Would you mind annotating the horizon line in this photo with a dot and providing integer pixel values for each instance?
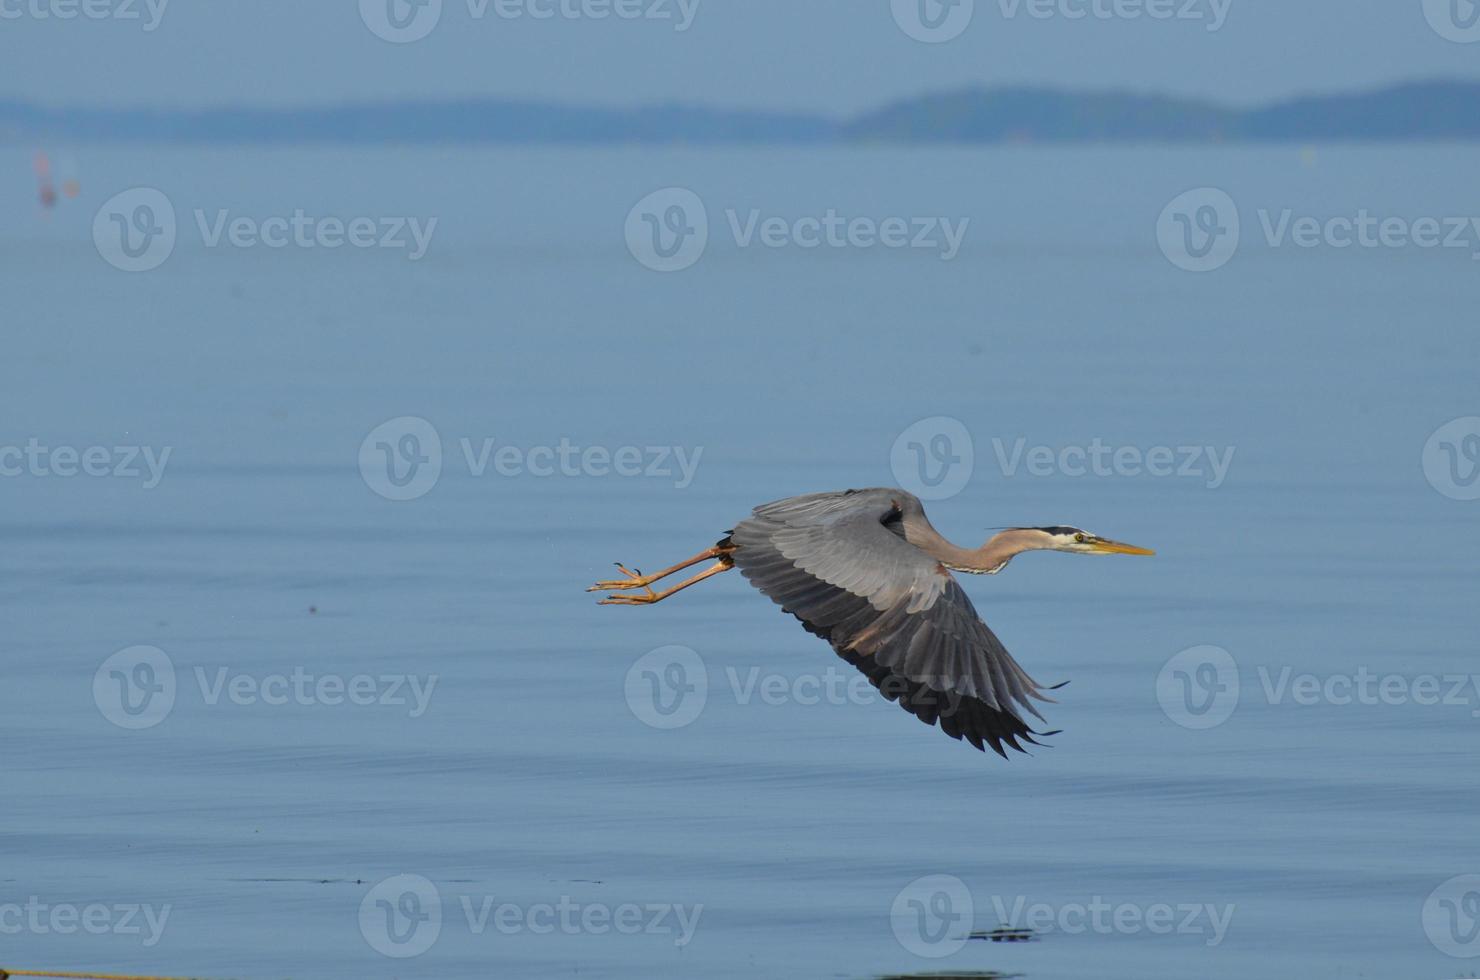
(714, 107)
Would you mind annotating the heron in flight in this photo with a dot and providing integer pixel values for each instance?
(864, 570)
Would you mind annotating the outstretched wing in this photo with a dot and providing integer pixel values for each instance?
(839, 562)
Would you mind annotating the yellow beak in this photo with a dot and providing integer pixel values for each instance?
(1104, 546)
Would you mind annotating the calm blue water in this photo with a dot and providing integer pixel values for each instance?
(790, 829)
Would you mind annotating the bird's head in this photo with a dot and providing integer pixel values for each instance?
(1003, 546)
(1079, 542)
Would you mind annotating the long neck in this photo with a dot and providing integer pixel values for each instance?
(1000, 549)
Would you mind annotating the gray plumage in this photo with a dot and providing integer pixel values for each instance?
(864, 570)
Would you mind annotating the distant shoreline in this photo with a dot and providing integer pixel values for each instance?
(1427, 112)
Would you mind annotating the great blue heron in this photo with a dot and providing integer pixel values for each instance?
(864, 570)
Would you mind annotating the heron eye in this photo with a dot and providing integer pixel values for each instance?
(1079, 539)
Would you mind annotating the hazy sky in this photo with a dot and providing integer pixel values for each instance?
(831, 55)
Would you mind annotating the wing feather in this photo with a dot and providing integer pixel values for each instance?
(840, 563)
